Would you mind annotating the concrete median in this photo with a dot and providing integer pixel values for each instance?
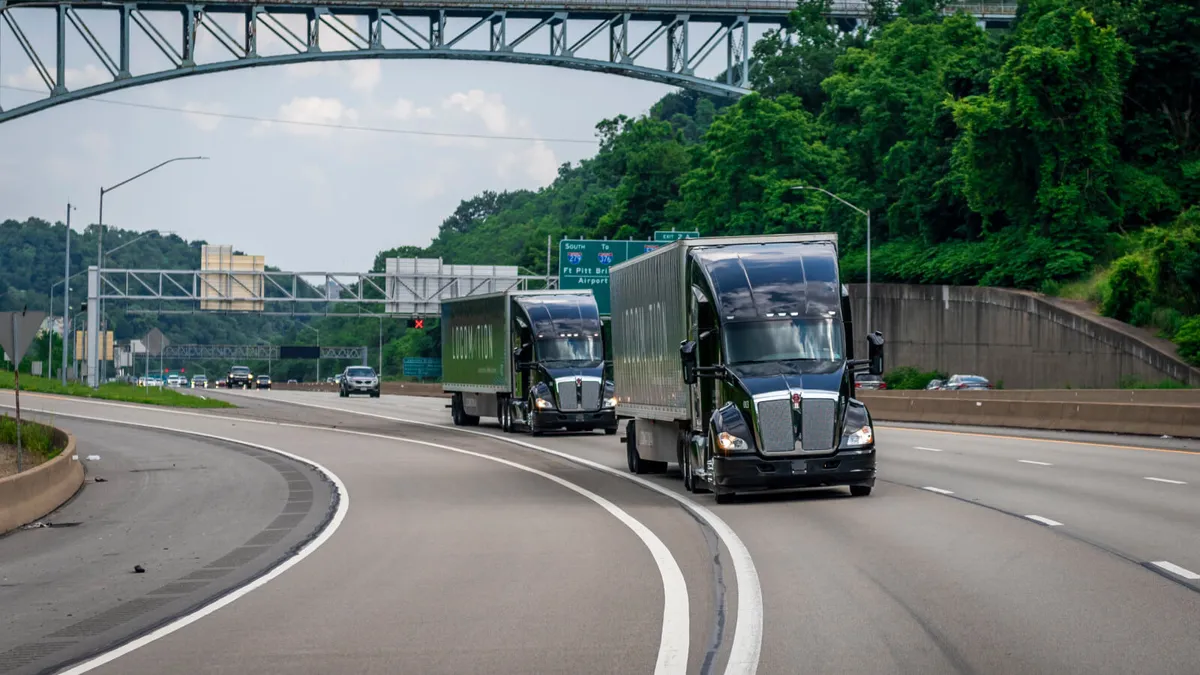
(29, 495)
(391, 388)
(1162, 396)
(1126, 418)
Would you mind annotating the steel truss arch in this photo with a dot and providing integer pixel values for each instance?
(669, 51)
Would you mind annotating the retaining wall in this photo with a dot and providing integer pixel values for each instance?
(29, 495)
(1023, 339)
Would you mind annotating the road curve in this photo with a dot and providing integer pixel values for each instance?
(957, 580)
(199, 516)
(452, 562)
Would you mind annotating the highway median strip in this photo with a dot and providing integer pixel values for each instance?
(113, 391)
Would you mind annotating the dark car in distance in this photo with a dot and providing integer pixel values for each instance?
(961, 382)
(239, 376)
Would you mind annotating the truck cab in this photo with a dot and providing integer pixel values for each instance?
(764, 367)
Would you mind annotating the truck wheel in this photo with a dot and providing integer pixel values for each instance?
(631, 454)
(456, 410)
(860, 490)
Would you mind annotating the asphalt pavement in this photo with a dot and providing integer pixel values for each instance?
(977, 553)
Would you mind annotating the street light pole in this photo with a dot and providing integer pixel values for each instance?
(66, 295)
(865, 212)
(94, 340)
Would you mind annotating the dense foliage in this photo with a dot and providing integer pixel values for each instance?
(1030, 157)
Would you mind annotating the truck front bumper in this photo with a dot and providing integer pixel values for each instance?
(581, 420)
(753, 473)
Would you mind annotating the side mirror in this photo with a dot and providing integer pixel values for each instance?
(687, 354)
(875, 353)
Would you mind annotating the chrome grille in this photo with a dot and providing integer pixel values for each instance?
(568, 395)
(817, 417)
(591, 395)
(775, 426)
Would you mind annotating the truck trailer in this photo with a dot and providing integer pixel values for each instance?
(534, 360)
(733, 358)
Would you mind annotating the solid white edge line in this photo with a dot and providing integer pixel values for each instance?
(1165, 480)
(940, 491)
(1044, 521)
(183, 621)
(746, 647)
(921, 447)
(1030, 461)
(1176, 569)
(674, 641)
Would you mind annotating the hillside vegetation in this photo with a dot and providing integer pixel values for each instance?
(1031, 158)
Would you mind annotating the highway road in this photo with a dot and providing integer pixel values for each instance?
(975, 554)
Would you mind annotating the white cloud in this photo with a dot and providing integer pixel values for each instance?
(307, 110)
(488, 107)
(204, 122)
(537, 161)
(74, 78)
(405, 109)
(364, 75)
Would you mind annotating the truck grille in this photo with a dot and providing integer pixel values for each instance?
(817, 422)
(583, 397)
(591, 395)
(775, 426)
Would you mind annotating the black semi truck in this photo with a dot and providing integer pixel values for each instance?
(733, 357)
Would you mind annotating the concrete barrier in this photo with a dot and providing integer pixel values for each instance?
(1163, 396)
(29, 495)
(391, 388)
(1125, 418)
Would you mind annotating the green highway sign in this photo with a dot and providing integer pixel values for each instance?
(584, 263)
(672, 235)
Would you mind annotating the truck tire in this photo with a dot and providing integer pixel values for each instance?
(634, 459)
(456, 413)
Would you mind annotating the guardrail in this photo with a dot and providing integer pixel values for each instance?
(1166, 396)
(990, 410)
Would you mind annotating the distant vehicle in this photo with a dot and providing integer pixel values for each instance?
(869, 381)
(262, 382)
(239, 376)
(174, 380)
(141, 381)
(291, 382)
(151, 381)
(358, 380)
(199, 382)
(961, 382)
(934, 385)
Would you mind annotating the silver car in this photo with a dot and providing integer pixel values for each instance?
(359, 380)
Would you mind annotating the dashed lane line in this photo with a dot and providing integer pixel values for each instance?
(1043, 520)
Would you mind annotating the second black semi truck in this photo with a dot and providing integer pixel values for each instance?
(534, 360)
(734, 358)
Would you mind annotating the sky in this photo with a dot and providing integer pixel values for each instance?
(308, 198)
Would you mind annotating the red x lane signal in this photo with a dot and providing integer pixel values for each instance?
(416, 323)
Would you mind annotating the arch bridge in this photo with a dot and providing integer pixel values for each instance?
(137, 42)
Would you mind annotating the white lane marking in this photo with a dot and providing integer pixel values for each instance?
(674, 640)
(181, 622)
(1030, 461)
(1044, 521)
(746, 647)
(918, 447)
(1165, 480)
(940, 491)
(1176, 569)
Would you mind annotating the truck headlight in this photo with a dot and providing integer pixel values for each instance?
(543, 404)
(727, 441)
(610, 402)
(863, 436)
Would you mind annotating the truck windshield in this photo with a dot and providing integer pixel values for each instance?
(783, 340)
(570, 349)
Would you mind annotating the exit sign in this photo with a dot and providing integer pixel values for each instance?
(584, 263)
(672, 235)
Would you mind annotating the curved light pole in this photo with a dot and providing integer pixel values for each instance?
(94, 340)
(865, 212)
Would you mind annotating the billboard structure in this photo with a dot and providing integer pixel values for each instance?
(82, 342)
(230, 282)
(418, 285)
